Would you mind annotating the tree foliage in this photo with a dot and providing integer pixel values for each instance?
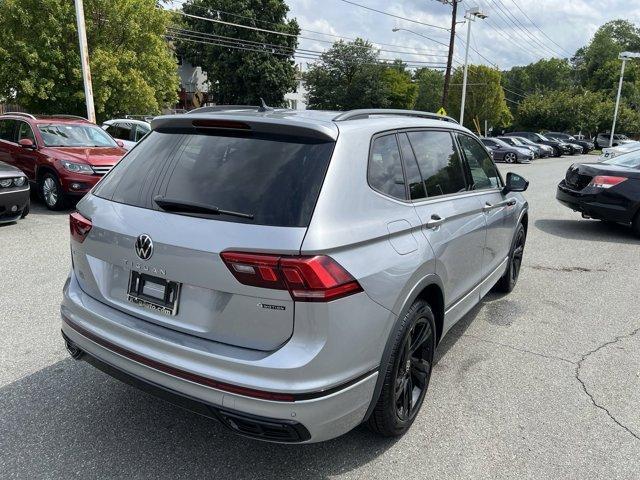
(261, 67)
(133, 69)
(485, 97)
(430, 84)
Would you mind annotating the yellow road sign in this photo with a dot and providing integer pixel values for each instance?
(442, 111)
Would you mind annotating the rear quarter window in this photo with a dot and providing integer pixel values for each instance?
(276, 179)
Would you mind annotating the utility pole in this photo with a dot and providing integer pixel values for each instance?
(84, 58)
(452, 39)
(471, 14)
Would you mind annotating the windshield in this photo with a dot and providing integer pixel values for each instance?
(69, 135)
(542, 137)
(630, 160)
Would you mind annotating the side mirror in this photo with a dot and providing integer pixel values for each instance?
(27, 143)
(120, 143)
(515, 183)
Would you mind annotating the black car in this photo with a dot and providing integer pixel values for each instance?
(559, 148)
(537, 150)
(14, 194)
(608, 190)
(503, 152)
(586, 145)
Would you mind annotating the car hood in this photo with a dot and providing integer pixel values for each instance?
(95, 156)
(7, 170)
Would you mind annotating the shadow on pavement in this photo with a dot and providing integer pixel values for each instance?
(593, 230)
(72, 420)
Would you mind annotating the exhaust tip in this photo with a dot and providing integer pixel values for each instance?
(75, 352)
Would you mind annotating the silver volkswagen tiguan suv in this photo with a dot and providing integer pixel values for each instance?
(290, 273)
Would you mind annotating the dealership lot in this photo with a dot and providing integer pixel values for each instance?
(542, 382)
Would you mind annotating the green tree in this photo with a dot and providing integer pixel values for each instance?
(430, 84)
(543, 75)
(260, 66)
(399, 86)
(485, 97)
(348, 76)
(133, 68)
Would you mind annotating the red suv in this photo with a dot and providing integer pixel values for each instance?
(62, 155)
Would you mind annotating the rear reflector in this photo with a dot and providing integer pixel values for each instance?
(308, 279)
(606, 181)
(79, 227)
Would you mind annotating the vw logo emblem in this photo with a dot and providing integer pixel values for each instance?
(144, 246)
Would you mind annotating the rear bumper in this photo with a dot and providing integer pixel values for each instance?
(204, 372)
(598, 204)
(12, 204)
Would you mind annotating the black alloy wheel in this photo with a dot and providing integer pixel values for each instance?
(510, 278)
(408, 373)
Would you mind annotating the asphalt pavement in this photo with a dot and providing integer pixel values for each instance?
(541, 383)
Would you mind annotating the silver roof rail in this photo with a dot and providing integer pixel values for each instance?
(368, 112)
(66, 116)
(21, 114)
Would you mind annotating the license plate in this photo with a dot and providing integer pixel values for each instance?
(153, 293)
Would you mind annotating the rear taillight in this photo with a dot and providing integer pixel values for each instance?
(79, 227)
(606, 181)
(308, 279)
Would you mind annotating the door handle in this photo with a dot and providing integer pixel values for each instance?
(487, 207)
(435, 222)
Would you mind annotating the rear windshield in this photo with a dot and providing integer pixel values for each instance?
(275, 179)
(631, 160)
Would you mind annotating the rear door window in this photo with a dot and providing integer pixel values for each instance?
(385, 172)
(7, 130)
(275, 179)
(439, 162)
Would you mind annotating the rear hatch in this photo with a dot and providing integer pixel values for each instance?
(165, 266)
(580, 175)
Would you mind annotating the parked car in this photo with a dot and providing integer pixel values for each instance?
(611, 152)
(608, 190)
(14, 194)
(603, 140)
(543, 150)
(281, 275)
(503, 152)
(514, 142)
(586, 145)
(128, 130)
(559, 148)
(63, 156)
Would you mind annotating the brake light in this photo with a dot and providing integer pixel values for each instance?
(606, 181)
(79, 227)
(308, 279)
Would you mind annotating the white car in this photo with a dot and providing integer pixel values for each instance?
(611, 152)
(128, 130)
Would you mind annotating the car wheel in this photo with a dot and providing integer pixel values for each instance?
(51, 192)
(508, 281)
(26, 209)
(407, 374)
(511, 157)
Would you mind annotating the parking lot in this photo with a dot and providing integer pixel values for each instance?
(544, 382)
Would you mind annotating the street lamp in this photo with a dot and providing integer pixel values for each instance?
(624, 56)
(471, 15)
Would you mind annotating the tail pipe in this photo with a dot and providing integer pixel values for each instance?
(75, 351)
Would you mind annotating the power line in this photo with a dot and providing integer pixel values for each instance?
(541, 31)
(394, 16)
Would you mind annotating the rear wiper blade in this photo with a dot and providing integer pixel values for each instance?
(177, 206)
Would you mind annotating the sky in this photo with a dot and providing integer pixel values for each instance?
(554, 28)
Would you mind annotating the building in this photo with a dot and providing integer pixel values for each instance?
(297, 100)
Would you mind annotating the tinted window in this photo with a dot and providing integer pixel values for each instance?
(439, 162)
(7, 130)
(121, 131)
(412, 172)
(273, 178)
(25, 131)
(483, 171)
(385, 170)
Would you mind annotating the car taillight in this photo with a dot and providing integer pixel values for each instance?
(606, 181)
(79, 227)
(308, 279)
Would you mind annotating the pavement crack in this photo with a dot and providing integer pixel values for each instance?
(523, 350)
(586, 390)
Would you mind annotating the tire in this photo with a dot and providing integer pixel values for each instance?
(26, 210)
(511, 158)
(51, 192)
(635, 225)
(407, 374)
(508, 281)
